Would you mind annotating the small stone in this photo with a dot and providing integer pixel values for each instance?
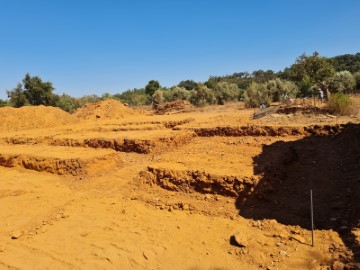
(185, 207)
(338, 265)
(278, 244)
(283, 253)
(16, 235)
(298, 238)
(240, 239)
(149, 255)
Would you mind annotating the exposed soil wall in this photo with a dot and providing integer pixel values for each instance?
(141, 146)
(74, 166)
(199, 181)
(252, 130)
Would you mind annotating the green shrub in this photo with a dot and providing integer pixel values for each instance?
(282, 88)
(177, 93)
(157, 98)
(342, 82)
(225, 92)
(257, 94)
(202, 96)
(339, 104)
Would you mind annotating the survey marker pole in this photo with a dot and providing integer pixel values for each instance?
(312, 218)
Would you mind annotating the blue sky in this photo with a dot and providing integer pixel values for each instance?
(93, 47)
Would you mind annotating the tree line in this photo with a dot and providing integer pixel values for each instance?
(304, 78)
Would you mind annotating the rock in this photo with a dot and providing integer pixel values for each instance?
(278, 244)
(149, 255)
(338, 265)
(240, 240)
(16, 235)
(298, 238)
(283, 253)
(185, 207)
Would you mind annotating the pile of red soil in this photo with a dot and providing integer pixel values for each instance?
(174, 107)
(107, 109)
(31, 117)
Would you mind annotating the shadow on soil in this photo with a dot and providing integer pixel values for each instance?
(327, 165)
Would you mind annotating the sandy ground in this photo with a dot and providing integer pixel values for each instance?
(144, 191)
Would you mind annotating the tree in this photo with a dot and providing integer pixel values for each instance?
(157, 98)
(3, 103)
(282, 88)
(17, 96)
(309, 71)
(177, 93)
(67, 103)
(188, 84)
(151, 87)
(263, 76)
(350, 62)
(106, 96)
(342, 82)
(38, 92)
(257, 94)
(135, 97)
(225, 91)
(357, 79)
(202, 96)
(213, 81)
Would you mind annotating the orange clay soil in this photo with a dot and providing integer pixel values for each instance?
(112, 187)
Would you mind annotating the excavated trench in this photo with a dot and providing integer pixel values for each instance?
(240, 187)
(253, 130)
(141, 146)
(199, 181)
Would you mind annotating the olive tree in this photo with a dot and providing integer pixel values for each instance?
(225, 91)
(282, 88)
(177, 93)
(342, 82)
(202, 96)
(257, 94)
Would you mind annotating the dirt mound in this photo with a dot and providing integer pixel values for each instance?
(174, 107)
(107, 109)
(32, 117)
